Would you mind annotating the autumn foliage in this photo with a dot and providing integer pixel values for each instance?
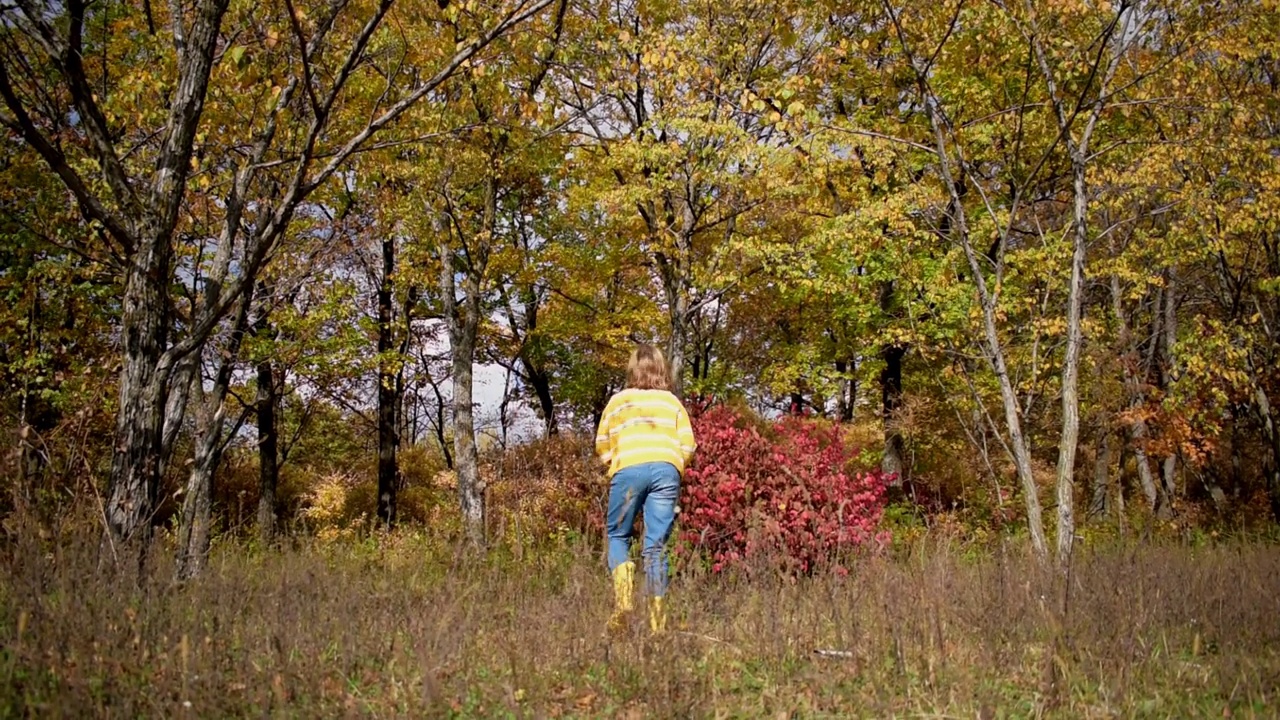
(549, 487)
(784, 491)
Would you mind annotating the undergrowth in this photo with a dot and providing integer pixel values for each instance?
(408, 625)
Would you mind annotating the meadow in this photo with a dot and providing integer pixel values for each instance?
(407, 624)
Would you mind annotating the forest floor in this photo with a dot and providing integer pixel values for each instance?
(403, 626)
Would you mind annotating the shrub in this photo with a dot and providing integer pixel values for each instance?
(338, 506)
(421, 497)
(550, 487)
(783, 492)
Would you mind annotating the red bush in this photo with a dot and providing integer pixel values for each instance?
(782, 492)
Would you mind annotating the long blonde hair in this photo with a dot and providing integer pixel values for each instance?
(647, 369)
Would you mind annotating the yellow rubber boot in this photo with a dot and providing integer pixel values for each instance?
(623, 591)
(657, 616)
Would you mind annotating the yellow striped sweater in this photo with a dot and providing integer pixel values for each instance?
(640, 426)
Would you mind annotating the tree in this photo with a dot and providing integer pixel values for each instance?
(687, 133)
(266, 406)
(138, 203)
(1121, 28)
(470, 209)
(56, 316)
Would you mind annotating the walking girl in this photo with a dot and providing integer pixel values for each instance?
(647, 441)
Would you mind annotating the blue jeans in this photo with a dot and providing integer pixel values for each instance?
(655, 486)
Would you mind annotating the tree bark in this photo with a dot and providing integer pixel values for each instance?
(890, 401)
(195, 527)
(268, 443)
(1168, 339)
(388, 391)
(1101, 472)
(541, 384)
(268, 452)
(678, 311)
(465, 453)
(194, 530)
(1070, 436)
(176, 406)
(1273, 439)
(463, 322)
(134, 485)
(847, 388)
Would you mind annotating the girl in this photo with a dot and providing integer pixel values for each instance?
(646, 440)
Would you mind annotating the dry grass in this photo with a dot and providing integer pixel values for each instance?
(401, 626)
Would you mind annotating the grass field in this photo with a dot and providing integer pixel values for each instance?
(402, 626)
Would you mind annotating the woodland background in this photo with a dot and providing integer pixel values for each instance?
(945, 281)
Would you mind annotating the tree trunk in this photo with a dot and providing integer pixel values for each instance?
(847, 387)
(1078, 150)
(134, 484)
(197, 505)
(265, 405)
(388, 391)
(1070, 436)
(1118, 507)
(1168, 338)
(1273, 438)
(268, 451)
(532, 372)
(465, 455)
(994, 349)
(1273, 490)
(890, 401)
(1013, 423)
(704, 343)
(678, 342)
(673, 270)
(1101, 472)
(536, 373)
(1133, 385)
(541, 385)
(463, 325)
(598, 404)
(1145, 477)
(195, 526)
(795, 405)
(176, 405)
